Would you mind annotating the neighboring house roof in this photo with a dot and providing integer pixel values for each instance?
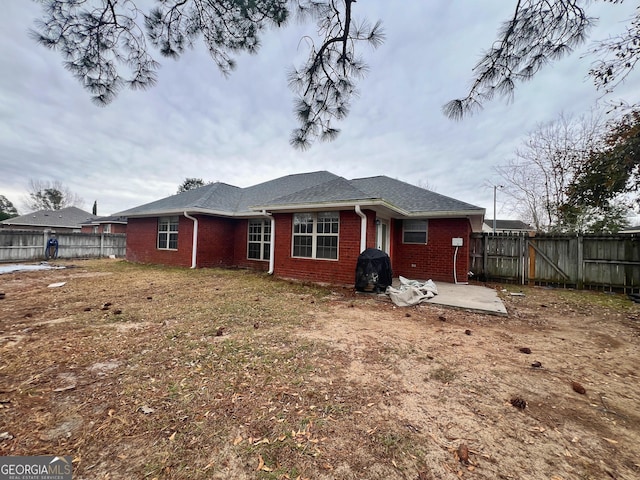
(629, 230)
(306, 191)
(70, 217)
(510, 225)
(109, 219)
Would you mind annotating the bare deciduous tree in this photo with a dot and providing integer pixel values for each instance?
(538, 176)
(51, 195)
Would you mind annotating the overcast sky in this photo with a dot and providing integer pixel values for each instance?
(197, 123)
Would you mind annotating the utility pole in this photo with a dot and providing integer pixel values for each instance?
(495, 187)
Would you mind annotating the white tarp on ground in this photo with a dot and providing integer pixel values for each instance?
(24, 267)
(412, 292)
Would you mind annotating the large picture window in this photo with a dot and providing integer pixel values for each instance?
(168, 233)
(259, 244)
(315, 235)
(415, 231)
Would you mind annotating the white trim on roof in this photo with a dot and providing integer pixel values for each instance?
(296, 207)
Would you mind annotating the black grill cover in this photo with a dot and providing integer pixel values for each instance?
(373, 271)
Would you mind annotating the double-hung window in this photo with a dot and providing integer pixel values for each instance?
(316, 235)
(168, 233)
(415, 231)
(259, 245)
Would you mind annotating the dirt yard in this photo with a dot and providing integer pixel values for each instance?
(163, 373)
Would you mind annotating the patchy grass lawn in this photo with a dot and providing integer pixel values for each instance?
(155, 372)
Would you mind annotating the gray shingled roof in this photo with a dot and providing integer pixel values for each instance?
(409, 197)
(267, 192)
(508, 224)
(106, 219)
(335, 190)
(70, 217)
(226, 199)
(307, 189)
(215, 197)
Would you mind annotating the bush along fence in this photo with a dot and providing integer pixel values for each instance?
(27, 245)
(608, 262)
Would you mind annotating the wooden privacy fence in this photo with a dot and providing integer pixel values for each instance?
(28, 245)
(580, 261)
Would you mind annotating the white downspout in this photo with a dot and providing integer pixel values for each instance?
(272, 239)
(455, 264)
(194, 247)
(363, 229)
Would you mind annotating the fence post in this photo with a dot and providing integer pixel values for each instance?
(521, 257)
(532, 262)
(485, 242)
(45, 238)
(580, 260)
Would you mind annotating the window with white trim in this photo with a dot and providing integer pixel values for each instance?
(106, 228)
(168, 233)
(316, 235)
(259, 241)
(415, 231)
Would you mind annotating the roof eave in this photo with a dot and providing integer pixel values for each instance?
(372, 204)
(332, 205)
(41, 225)
(178, 211)
(448, 213)
(297, 207)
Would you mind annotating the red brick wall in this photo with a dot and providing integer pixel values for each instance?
(371, 232)
(215, 241)
(435, 259)
(142, 235)
(223, 242)
(118, 228)
(341, 271)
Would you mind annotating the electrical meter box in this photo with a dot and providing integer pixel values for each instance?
(456, 242)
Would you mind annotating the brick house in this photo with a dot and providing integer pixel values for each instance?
(309, 226)
(112, 224)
